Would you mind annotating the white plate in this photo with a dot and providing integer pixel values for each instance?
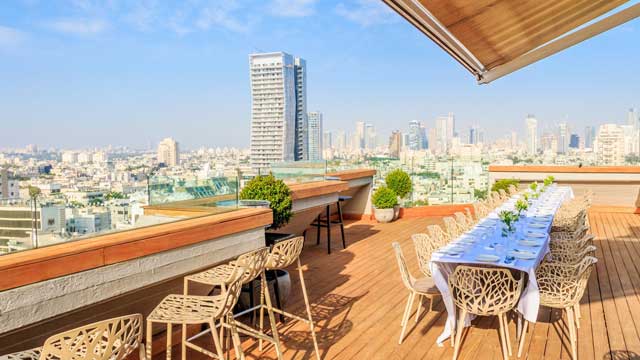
(487, 258)
(530, 242)
(535, 234)
(524, 255)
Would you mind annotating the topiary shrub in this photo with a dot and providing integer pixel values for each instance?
(400, 182)
(384, 198)
(504, 184)
(276, 192)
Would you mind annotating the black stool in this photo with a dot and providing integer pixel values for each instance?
(326, 223)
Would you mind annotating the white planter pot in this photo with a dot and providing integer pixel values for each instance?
(384, 215)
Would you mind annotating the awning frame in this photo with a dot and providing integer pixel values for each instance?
(414, 12)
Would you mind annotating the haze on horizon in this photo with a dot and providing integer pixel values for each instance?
(84, 74)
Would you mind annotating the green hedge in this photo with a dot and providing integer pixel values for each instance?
(504, 184)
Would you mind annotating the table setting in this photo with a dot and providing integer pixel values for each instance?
(515, 235)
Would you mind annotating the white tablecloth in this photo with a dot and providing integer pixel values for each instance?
(485, 237)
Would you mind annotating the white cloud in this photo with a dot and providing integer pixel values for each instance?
(78, 26)
(143, 15)
(292, 8)
(10, 36)
(367, 12)
(222, 14)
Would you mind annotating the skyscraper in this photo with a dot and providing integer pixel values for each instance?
(278, 108)
(302, 138)
(589, 136)
(315, 135)
(563, 138)
(609, 145)
(395, 144)
(369, 137)
(339, 140)
(169, 152)
(574, 143)
(359, 135)
(532, 134)
(414, 135)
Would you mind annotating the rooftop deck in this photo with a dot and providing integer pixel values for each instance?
(358, 298)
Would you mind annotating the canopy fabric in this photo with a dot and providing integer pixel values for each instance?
(486, 34)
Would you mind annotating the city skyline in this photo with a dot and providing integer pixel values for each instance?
(115, 78)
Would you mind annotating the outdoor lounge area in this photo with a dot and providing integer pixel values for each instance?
(357, 299)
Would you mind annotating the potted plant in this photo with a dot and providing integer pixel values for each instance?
(549, 180)
(521, 205)
(384, 199)
(400, 182)
(509, 219)
(267, 191)
(263, 191)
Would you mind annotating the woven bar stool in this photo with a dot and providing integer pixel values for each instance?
(253, 263)
(199, 310)
(112, 339)
(282, 255)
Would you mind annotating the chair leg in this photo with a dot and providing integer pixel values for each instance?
(506, 332)
(216, 339)
(344, 244)
(328, 229)
(263, 286)
(523, 335)
(149, 339)
(419, 308)
(406, 310)
(237, 344)
(276, 292)
(502, 333)
(462, 314)
(318, 230)
(272, 318)
(577, 315)
(184, 342)
(572, 332)
(306, 302)
(169, 336)
(407, 316)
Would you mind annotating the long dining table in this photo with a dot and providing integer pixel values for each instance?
(485, 245)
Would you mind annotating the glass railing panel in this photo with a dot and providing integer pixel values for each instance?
(294, 172)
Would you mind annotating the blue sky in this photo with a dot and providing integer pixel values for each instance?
(82, 73)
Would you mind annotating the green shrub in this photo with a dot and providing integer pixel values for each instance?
(400, 182)
(384, 198)
(504, 184)
(276, 192)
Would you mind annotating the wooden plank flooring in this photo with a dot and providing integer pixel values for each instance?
(358, 299)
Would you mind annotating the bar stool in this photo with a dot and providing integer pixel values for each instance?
(326, 223)
(184, 310)
(253, 263)
(282, 255)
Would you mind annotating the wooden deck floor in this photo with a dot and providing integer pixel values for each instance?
(358, 299)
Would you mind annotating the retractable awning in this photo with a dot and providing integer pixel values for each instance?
(492, 38)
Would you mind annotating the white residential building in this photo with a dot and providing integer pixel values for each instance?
(315, 135)
(273, 109)
(609, 145)
(169, 152)
(532, 134)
